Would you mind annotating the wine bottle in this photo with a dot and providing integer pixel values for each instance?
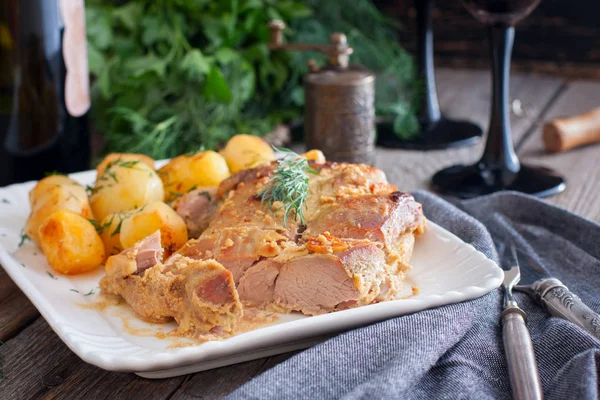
(44, 89)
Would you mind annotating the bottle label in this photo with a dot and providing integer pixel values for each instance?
(77, 84)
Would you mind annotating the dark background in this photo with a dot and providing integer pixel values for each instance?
(560, 37)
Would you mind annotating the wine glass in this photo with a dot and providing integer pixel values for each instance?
(499, 167)
(436, 131)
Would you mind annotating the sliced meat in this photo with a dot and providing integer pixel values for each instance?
(390, 219)
(257, 286)
(197, 209)
(199, 294)
(333, 278)
(236, 248)
(142, 255)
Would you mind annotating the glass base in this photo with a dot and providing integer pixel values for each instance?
(467, 181)
(444, 134)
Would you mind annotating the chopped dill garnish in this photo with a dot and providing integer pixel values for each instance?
(100, 228)
(5, 201)
(51, 276)
(118, 228)
(289, 185)
(74, 290)
(90, 292)
(24, 238)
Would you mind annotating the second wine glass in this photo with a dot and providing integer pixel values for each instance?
(499, 168)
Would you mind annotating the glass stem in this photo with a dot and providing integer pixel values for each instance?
(430, 108)
(499, 156)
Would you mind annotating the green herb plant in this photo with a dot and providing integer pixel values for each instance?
(174, 75)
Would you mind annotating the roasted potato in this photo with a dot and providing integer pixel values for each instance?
(48, 182)
(149, 219)
(52, 194)
(185, 173)
(314, 155)
(110, 232)
(246, 151)
(70, 243)
(113, 158)
(125, 186)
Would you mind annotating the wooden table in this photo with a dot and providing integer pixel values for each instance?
(37, 364)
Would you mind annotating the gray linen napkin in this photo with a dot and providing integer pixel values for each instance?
(456, 351)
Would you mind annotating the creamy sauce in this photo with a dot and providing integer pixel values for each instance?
(115, 306)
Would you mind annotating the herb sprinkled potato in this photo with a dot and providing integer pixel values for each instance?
(110, 232)
(53, 193)
(116, 157)
(149, 219)
(246, 151)
(125, 186)
(186, 173)
(71, 243)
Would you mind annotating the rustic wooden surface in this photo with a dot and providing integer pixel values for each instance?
(558, 37)
(36, 364)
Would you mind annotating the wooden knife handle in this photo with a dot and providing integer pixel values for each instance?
(561, 302)
(565, 134)
(522, 368)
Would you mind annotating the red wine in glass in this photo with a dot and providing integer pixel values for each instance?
(507, 12)
(498, 168)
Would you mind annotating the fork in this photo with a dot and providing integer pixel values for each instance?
(522, 367)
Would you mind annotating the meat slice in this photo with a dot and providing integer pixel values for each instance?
(236, 248)
(142, 255)
(199, 294)
(197, 209)
(329, 276)
(390, 219)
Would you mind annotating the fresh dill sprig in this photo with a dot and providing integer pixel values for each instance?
(289, 185)
(24, 238)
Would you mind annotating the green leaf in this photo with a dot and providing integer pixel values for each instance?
(195, 65)
(227, 55)
(155, 29)
(104, 82)
(252, 4)
(98, 28)
(95, 59)
(149, 63)
(293, 9)
(128, 15)
(216, 87)
(215, 30)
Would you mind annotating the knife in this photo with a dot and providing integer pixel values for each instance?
(522, 367)
(558, 300)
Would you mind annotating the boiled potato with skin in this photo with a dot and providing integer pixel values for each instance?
(153, 217)
(246, 151)
(113, 158)
(125, 186)
(70, 196)
(71, 243)
(185, 173)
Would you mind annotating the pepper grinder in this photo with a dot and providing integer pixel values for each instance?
(339, 111)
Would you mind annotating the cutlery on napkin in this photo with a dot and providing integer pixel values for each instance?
(522, 367)
(558, 300)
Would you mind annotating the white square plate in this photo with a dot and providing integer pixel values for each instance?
(445, 269)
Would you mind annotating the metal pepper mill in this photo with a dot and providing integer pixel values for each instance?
(339, 110)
